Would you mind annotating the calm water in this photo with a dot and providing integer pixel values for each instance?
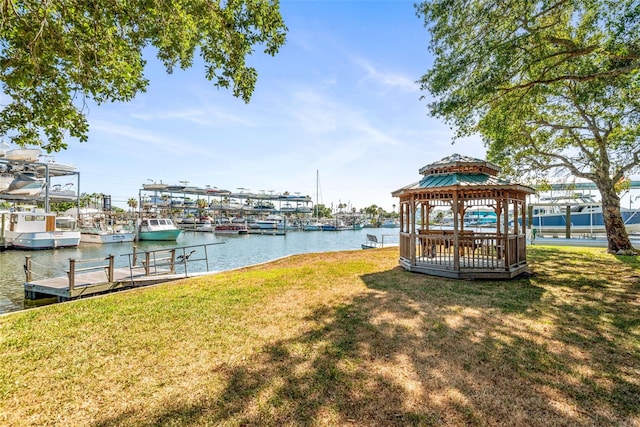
(234, 252)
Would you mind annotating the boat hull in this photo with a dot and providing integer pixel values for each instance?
(106, 238)
(264, 225)
(590, 222)
(312, 226)
(43, 240)
(25, 185)
(23, 154)
(390, 225)
(288, 227)
(158, 229)
(333, 227)
(231, 229)
(160, 235)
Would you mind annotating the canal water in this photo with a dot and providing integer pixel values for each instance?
(226, 252)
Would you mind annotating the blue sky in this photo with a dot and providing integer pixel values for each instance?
(340, 98)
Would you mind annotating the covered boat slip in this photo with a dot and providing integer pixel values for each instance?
(460, 250)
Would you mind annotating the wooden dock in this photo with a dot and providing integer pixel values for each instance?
(98, 276)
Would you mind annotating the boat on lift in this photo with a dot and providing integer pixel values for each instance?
(23, 154)
(25, 184)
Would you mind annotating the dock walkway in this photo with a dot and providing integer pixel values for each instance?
(98, 276)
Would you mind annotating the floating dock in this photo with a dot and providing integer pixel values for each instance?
(92, 283)
(98, 276)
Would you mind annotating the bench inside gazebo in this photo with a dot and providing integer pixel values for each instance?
(485, 237)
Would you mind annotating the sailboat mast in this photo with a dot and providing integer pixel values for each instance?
(317, 186)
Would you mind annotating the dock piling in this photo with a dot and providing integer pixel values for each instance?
(72, 273)
(147, 263)
(27, 267)
(110, 268)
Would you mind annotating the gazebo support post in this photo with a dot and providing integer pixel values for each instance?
(456, 230)
(412, 228)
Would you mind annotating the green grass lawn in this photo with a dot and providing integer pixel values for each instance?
(344, 338)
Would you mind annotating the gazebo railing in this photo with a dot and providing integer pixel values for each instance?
(469, 250)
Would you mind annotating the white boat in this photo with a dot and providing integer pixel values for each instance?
(288, 208)
(158, 229)
(335, 225)
(313, 225)
(154, 187)
(84, 214)
(288, 225)
(480, 217)
(5, 182)
(39, 230)
(4, 147)
(96, 227)
(25, 185)
(59, 190)
(203, 225)
(55, 168)
(390, 223)
(549, 215)
(186, 223)
(23, 154)
(104, 234)
(269, 223)
(96, 235)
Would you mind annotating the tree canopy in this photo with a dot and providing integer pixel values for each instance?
(55, 55)
(548, 85)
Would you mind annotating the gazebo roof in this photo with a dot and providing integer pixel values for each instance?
(462, 179)
(460, 163)
(462, 172)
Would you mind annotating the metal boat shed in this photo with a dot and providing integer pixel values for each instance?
(462, 250)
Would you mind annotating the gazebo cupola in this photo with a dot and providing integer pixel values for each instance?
(462, 221)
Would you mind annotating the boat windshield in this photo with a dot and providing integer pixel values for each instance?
(33, 217)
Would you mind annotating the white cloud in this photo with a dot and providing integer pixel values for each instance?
(203, 116)
(388, 81)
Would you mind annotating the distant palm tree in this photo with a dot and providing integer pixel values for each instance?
(133, 204)
(202, 204)
(95, 200)
(371, 210)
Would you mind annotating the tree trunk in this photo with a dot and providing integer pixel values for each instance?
(617, 236)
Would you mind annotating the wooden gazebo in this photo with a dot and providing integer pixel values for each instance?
(469, 245)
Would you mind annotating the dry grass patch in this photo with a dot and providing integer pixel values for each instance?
(337, 338)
